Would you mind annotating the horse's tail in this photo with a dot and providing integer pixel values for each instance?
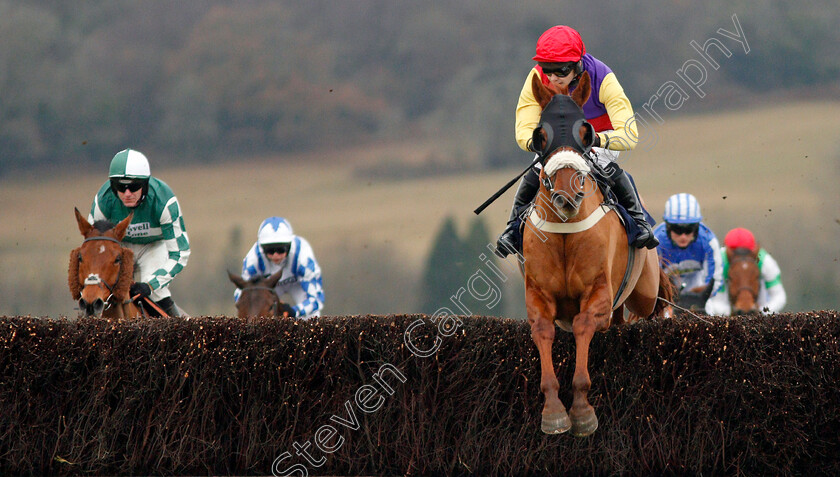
(666, 293)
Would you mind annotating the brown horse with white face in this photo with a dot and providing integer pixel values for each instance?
(258, 297)
(101, 270)
(576, 258)
(743, 280)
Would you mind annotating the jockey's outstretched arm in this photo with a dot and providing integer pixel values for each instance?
(714, 263)
(771, 276)
(776, 299)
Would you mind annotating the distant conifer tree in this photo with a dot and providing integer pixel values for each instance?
(444, 271)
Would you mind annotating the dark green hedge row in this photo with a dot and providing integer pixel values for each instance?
(395, 395)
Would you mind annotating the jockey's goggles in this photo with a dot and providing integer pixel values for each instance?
(560, 69)
(272, 248)
(683, 229)
(123, 185)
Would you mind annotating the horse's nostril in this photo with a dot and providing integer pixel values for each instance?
(564, 199)
(93, 308)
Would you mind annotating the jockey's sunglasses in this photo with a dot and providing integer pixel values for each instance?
(280, 248)
(133, 186)
(683, 229)
(561, 71)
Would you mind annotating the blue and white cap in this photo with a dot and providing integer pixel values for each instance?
(682, 209)
(275, 230)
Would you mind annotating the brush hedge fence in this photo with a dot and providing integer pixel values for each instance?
(414, 395)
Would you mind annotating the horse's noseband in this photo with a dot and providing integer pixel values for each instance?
(93, 279)
(580, 174)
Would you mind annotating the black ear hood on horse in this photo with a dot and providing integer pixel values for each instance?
(560, 120)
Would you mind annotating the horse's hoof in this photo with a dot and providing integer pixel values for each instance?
(585, 424)
(556, 423)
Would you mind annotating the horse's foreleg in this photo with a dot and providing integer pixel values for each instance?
(555, 420)
(594, 316)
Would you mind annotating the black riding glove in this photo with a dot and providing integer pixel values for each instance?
(709, 289)
(537, 142)
(286, 310)
(140, 288)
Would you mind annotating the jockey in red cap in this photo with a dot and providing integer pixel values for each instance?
(559, 44)
(740, 237)
(561, 58)
(771, 295)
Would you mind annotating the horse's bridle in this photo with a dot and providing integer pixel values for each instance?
(275, 307)
(548, 181)
(93, 279)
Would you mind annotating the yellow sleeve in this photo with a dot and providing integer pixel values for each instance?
(625, 134)
(527, 113)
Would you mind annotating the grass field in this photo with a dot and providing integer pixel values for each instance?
(772, 169)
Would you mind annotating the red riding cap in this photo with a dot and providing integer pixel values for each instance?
(740, 237)
(559, 44)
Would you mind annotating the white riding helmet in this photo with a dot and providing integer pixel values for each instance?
(682, 209)
(129, 164)
(275, 230)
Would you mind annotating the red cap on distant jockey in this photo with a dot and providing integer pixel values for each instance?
(559, 44)
(740, 237)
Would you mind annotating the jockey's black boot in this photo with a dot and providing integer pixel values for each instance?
(169, 307)
(626, 194)
(511, 239)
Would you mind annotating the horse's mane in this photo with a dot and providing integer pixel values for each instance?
(257, 279)
(73, 275)
(566, 159)
(745, 251)
(103, 225)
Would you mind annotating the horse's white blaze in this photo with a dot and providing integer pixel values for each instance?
(566, 159)
(101, 249)
(93, 279)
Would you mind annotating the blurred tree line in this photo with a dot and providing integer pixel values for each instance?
(462, 275)
(208, 79)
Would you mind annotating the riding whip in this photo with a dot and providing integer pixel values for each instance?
(150, 303)
(506, 186)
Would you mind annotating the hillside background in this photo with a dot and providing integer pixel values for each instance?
(377, 126)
